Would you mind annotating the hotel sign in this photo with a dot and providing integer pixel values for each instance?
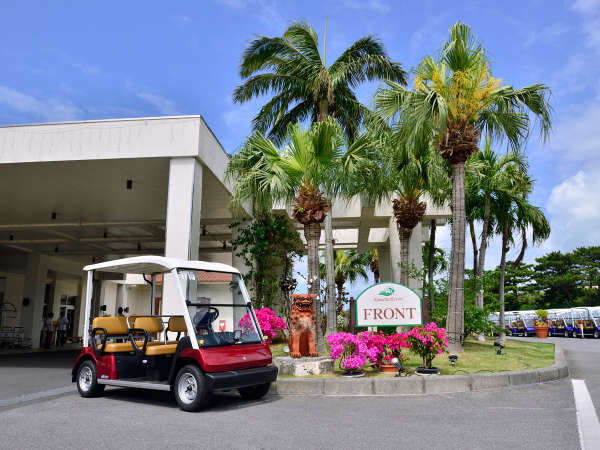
(388, 304)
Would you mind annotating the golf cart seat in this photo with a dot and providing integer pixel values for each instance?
(112, 327)
(154, 325)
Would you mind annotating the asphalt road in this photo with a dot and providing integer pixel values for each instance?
(539, 416)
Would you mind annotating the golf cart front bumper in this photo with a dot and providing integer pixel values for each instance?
(233, 379)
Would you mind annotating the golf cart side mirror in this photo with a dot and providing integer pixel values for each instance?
(237, 336)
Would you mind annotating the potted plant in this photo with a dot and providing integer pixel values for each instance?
(541, 324)
(352, 350)
(388, 347)
(427, 342)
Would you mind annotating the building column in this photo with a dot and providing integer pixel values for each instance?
(34, 290)
(394, 251)
(78, 327)
(182, 236)
(383, 254)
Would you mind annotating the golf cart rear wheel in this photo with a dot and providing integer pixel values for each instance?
(87, 380)
(596, 334)
(566, 333)
(254, 392)
(190, 389)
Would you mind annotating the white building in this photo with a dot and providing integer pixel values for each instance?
(79, 192)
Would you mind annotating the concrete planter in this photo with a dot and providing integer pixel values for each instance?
(421, 385)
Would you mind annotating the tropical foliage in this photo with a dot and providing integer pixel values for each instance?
(454, 101)
(303, 88)
(268, 244)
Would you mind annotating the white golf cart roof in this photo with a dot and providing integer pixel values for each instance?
(157, 264)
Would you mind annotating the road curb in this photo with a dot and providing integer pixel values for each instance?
(417, 385)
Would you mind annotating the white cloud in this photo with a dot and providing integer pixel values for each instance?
(578, 137)
(163, 105)
(50, 109)
(574, 212)
(546, 35)
(428, 37)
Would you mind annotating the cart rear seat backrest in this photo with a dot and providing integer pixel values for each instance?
(150, 324)
(113, 325)
(177, 324)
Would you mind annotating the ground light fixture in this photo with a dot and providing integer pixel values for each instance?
(396, 362)
(498, 343)
(453, 359)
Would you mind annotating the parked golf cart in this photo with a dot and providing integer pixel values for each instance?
(198, 345)
(585, 323)
(524, 321)
(560, 322)
(510, 321)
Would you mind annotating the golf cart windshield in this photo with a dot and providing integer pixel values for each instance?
(220, 312)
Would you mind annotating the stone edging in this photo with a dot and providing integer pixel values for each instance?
(418, 385)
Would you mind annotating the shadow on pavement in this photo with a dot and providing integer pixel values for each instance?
(42, 360)
(222, 401)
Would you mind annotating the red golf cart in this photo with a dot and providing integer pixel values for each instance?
(193, 347)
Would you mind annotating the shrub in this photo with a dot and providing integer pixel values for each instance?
(270, 324)
(427, 342)
(352, 349)
(388, 346)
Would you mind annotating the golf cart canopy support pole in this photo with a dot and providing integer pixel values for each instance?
(184, 310)
(88, 305)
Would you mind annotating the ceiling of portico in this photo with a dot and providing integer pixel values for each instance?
(96, 215)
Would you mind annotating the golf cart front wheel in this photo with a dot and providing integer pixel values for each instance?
(190, 389)
(596, 334)
(87, 380)
(254, 392)
(566, 333)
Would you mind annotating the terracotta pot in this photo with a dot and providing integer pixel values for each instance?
(541, 332)
(388, 368)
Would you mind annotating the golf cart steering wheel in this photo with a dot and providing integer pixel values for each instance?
(205, 317)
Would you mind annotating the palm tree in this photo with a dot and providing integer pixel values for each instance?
(294, 174)
(455, 100)
(516, 215)
(305, 88)
(374, 263)
(405, 169)
(492, 178)
(350, 265)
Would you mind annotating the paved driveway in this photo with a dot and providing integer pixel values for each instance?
(539, 416)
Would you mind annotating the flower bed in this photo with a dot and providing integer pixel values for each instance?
(270, 324)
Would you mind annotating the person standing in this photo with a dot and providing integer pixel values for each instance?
(48, 328)
(61, 329)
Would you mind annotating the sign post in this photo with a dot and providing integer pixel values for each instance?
(388, 304)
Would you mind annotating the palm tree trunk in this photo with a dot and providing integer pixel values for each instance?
(431, 262)
(456, 297)
(312, 233)
(519, 259)
(482, 250)
(501, 281)
(405, 234)
(474, 245)
(331, 300)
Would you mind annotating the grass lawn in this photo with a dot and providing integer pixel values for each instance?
(479, 357)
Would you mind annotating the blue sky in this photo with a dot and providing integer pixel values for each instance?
(94, 60)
